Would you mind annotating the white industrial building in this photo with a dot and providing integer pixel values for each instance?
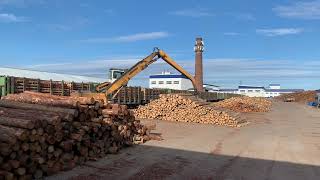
(166, 80)
(318, 97)
(211, 88)
(4, 71)
(259, 91)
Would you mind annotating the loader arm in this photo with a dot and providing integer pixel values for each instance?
(133, 71)
(141, 65)
(175, 65)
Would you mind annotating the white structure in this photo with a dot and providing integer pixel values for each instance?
(274, 86)
(47, 75)
(318, 97)
(211, 87)
(166, 80)
(260, 91)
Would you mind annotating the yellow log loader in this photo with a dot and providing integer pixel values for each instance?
(114, 87)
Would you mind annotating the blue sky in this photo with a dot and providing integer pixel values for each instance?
(256, 42)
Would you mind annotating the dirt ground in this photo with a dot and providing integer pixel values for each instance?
(281, 144)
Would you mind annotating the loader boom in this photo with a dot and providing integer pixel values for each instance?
(141, 65)
(171, 62)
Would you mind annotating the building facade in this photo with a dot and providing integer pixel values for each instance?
(318, 97)
(210, 88)
(260, 91)
(166, 80)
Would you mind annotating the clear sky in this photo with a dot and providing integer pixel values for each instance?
(252, 41)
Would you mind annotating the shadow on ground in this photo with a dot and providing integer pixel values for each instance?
(149, 162)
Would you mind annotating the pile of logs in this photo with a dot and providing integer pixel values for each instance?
(245, 104)
(42, 134)
(300, 97)
(174, 107)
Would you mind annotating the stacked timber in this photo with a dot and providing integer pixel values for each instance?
(245, 104)
(42, 134)
(174, 107)
(61, 88)
(300, 97)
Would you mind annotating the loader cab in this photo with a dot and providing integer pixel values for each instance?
(115, 73)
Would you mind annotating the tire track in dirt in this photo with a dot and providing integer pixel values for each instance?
(221, 172)
(102, 171)
(272, 163)
(218, 147)
(161, 169)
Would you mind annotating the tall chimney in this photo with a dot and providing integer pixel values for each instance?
(198, 48)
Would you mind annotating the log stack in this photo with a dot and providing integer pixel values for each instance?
(245, 104)
(174, 107)
(43, 134)
(300, 97)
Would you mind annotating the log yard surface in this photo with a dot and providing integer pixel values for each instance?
(166, 90)
(282, 143)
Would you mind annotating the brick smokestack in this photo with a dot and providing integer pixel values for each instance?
(198, 48)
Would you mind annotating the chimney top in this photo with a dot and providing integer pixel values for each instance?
(198, 47)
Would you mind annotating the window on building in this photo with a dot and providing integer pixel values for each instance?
(250, 90)
(257, 90)
(175, 82)
(169, 82)
(243, 91)
(160, 82)
(153, 82)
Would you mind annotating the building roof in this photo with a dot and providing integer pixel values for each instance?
(250, 87)
(228, 89)
(265, 89)
(4, 71)
(168, 76)
(284, 90)
(274, 84)
(211, 85)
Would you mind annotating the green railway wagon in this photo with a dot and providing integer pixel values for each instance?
(93, 87)
(227, 96)
(221, 96)
(209, 96)
(3, 86)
